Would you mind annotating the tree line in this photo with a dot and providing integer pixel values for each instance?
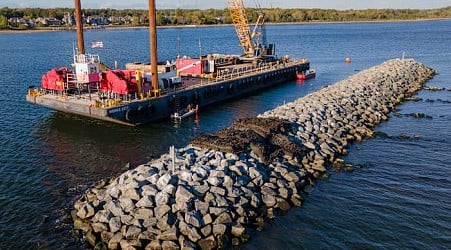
(222, 16)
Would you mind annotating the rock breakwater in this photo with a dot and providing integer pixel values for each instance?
(208, 194)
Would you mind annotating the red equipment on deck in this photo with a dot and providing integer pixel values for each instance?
(119, 81)
(189, 66)
(55, 79)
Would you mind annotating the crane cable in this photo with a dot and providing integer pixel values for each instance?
(257, 4)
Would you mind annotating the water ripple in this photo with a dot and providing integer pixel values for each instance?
(399, 202)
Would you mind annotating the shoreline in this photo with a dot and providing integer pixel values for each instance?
(59, 29)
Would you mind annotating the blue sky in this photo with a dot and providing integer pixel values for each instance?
(220, 4)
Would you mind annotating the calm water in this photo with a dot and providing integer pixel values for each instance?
(401, 199)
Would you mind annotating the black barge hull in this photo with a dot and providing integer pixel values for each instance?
(143, 111)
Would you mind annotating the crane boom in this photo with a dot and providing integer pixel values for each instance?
(251, 42)
(241, 24)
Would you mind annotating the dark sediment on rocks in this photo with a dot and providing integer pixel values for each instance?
(207, 195)
(266, 138)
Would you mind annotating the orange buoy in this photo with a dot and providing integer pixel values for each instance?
(347, 60)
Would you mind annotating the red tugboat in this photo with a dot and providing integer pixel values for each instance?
(308, 74)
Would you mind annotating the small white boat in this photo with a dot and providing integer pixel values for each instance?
(182, 114)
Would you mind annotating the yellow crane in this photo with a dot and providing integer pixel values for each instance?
(249, 41)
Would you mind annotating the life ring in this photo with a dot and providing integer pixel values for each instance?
(142, 112)
(230, 89)
(129, 115)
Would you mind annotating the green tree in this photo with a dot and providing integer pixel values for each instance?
(135, 20)
(23, 26)
(3, 22)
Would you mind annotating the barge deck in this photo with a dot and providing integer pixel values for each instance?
(193, 90)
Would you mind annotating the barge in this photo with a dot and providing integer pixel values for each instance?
(141, 93)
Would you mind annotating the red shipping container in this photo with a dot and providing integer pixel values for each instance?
(189, 66)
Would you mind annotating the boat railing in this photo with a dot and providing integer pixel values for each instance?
(222, 75)
(227, 74)
(86, 58)
(244, 71)
(71, 81)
